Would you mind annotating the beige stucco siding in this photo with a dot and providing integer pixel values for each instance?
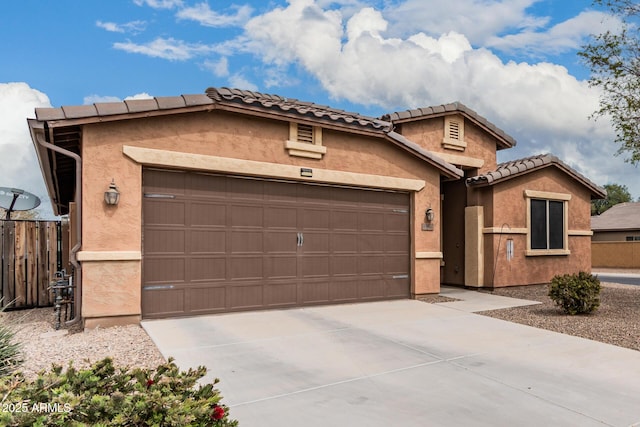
(430, 133)
(507, 220)
(119, 229)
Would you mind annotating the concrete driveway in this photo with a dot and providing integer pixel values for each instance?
(404, 363)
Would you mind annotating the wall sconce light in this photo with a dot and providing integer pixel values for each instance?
(112, 195)
(429, 215)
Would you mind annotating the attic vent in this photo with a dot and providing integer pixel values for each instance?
(305, 141)
(305, 134)
(454, 133)
(454, 130)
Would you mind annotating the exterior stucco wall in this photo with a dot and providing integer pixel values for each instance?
(509, 217)
(112, 286)
(429, 134)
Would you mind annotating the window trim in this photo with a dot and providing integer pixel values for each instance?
(555, 197)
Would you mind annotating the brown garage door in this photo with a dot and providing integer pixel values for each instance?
(216, 243)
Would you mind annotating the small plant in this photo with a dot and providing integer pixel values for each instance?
(10, 355)
(576, 293)
(104, 395)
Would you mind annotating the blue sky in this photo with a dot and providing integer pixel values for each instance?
(512, 61)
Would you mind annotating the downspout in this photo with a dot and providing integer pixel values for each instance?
(73, 258)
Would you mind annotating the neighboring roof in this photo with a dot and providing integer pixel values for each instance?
(623, 216)
(505, 141)
(515, 168)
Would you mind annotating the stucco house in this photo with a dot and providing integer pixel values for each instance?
(236, 200)
(620, 223)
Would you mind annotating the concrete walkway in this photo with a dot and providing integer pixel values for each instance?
(404, 363)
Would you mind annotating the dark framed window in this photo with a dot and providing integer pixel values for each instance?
(547, 226)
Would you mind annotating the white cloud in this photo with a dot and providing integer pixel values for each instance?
(142, 95)
(96, 99)
(218, 68)
(19, 166)
(128, 27)
(240, 81)
(541, 104)
(171, 49)
(565, 36)
(159, 4)
(203, 14)
(477, 20)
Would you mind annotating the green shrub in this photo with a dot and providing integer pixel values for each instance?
(10, 355)
(576, 293)
(104, 395)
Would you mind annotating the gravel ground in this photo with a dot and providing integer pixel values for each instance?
(42, 345)
(616, 322)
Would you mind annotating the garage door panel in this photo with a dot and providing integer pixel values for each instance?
(203, 186)
(205, 299)
(163, 303)
(371, 243)
(226, 244)
(396, 243)
(342, 265)
(315, 292)
(247, 242)
(280, 242)
(372, 288)
(314, 266)
(207, 242)
(282, 267)
(164, 212)
(281, 294)
(246, 268)
(371, 265)
(164, 270)
(165, 241)
(315, 219)
(280, 217)
(342, 243)
(344, 220)
(246, 296)
(343, 290)
(207, 269)
(373, 221)
(316, 243)
(246, 189)
(163, 181)
(247, 216)
(208, 215)
(395, 264)
(396, 222)
(397, 287)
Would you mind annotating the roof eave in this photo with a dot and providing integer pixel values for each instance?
(37, 128)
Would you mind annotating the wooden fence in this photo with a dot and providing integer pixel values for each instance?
(31, 254)
(615, 254)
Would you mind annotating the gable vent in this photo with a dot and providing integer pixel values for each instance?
(305, 134)
(454, 130)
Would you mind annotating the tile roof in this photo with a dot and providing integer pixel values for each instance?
(105, 109)
(447, 109)
(623, 216)
(514, 168)
(294, 106)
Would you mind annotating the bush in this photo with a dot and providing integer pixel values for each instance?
(576, 293)
(105, 396)
(10, 356)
